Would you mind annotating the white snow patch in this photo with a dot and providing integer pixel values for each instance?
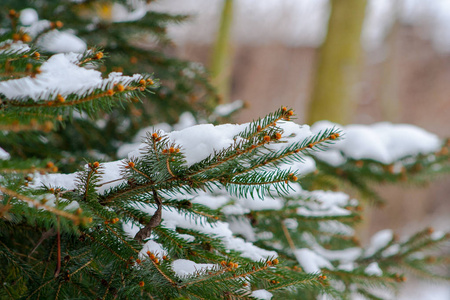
(262, 295)
(378, 241)
(173, 219)
(326, 203)
(437, 235)
(390, 251)
(199, 141)
(228, 108)
(4, 155)
(185, 120)
(154, 247)
(242, 226)
(344, 256)
(120, 13)
(61, 42)
(308, 165)
(28, 16)
(383, 142)
(257, 203)
(185, 268)
(234, 209)
(9, 46)
(211, 201)
(186, 237)
(142, 133)
(310, 261)
(111, 173)
(348, 266)
(61, 75)
(373, 269)
(247, 249)
(67, 181)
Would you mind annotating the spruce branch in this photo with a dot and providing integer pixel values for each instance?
(76, 219)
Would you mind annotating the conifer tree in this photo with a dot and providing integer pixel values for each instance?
(208, 212)
(135, 41)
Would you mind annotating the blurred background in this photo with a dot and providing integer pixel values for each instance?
(350, 61)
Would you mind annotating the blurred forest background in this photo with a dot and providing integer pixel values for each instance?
(399, 65)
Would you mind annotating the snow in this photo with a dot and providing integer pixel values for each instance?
(390, 251)
(332, 211)
(347, 255)
(247, 249)
(373, 269)
(4, 155)
(327, 203)
(308, 165)
(172, 219)
(120, 13)
(310, 261)
(111, 171)
(228, 108)
(211, 201)
(200, 141)
(331, 156)
(50, 200)
(66, 181)
(61, 75)
(336, 227)
(291, 223)
(9, 46)
(262, 295)
(348, 266)
(142, 133)
(437, 235)
(37, 27)
(154, 247)
(185, 268)
(28, 16)
(185, 120)
(378, 241)
(235, 209)
(383, 142)
(53, 41)
(256, 203)
(187, 237)
(243, 227)
(61, 42)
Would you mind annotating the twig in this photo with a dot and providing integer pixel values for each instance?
(154, 221)
(36, 203)
(44, 236)
(288, 236)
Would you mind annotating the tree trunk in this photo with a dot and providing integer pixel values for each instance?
(335, 85)
(221, 63)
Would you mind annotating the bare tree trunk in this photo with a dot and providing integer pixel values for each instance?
(221, 63)
(334, 92)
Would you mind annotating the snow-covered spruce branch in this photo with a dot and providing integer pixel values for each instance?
(222, 208)
(124, 190)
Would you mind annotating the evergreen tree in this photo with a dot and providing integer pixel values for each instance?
(207, 212)
(135, 41)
